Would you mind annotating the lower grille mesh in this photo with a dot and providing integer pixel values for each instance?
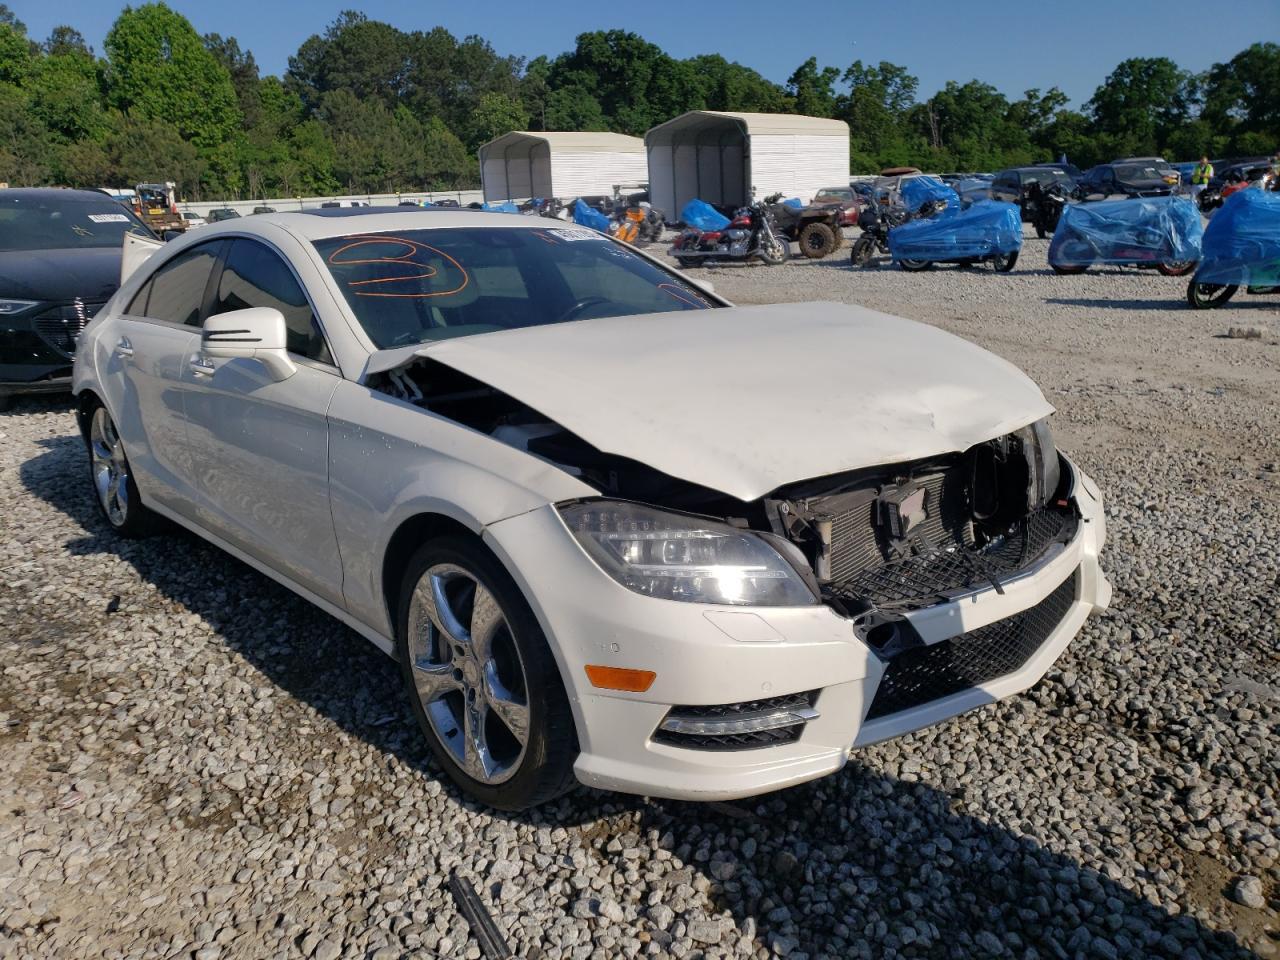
(924, 674)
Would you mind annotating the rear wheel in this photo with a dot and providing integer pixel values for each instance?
(484, 687)
(687, 263)
(1206, 296)
(915, 266)
(1176, 268)
(817, 240)
(114, 488)
(1004, 262)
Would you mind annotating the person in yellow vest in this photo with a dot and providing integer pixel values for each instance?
(1200, 177)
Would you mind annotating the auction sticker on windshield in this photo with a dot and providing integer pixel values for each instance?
(577, 234)
(108, 218)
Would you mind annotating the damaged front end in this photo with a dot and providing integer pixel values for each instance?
(872, 544)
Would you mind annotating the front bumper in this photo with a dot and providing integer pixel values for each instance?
(704, 654)
(29, 363)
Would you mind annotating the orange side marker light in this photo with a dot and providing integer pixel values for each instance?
(620, 678)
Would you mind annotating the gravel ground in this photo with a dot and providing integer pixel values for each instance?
(197, 764)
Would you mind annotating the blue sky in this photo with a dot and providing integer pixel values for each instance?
(1015, 46)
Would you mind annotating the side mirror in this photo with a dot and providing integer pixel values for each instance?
(256, 333)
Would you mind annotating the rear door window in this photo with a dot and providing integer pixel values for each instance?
(176, 290)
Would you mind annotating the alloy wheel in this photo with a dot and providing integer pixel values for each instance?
(110, 468)
(468, 674)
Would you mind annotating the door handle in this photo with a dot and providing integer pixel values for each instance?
(124, 348)
(202, 366)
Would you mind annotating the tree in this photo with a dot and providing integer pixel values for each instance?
(17, 53)
(1242, 100)
(1141, 103)
(25, 144)
(495, 115)
(160, 72)
(64, 40)
(876, 109)
(66, 93)
(813, 90)
(574, 108)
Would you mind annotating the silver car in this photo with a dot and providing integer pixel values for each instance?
(614, 529)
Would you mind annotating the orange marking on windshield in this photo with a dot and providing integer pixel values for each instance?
(405, 259)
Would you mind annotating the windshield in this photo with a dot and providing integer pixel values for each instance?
(1046, 176)
(421, 285)
(1138, 171)
(52, 222)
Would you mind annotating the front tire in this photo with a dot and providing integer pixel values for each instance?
(1206, 296)
(114, 489)
(1004, 262)
(862, 250)
(775, 251)
(481, 679)
(915, 266)
(817, 240)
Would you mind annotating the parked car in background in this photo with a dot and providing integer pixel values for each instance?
(264, 209)
(59, 263)
(1012, 185)
(1070, 168)
(1168, 172)
(849, 201)
(1138, 179)
(218, 214)
(193, 220)
(580, 580)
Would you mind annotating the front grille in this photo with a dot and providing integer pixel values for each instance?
(738, 741)
(911, 580)
(59, 326)
(921, 675)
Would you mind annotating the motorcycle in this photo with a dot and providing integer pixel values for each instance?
(1045, 204)
(1153, 233)
(876, 220)
(1240, 249)
(636, 222)
(751, 233)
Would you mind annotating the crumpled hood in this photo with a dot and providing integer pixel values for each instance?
(747, 399)
(92, 274)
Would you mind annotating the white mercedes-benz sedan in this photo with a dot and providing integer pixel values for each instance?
(613, 528)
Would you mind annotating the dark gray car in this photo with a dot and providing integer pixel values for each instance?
(59, 262)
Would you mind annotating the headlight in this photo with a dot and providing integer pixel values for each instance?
(9, 307)
(677, 557)
(1042, 462)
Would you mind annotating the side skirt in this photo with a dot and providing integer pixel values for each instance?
(373, 636)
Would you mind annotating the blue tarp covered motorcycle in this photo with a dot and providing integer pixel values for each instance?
(1159, 232)
(1241, 247)
(987, 231)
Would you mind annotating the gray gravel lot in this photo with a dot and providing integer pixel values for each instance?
(215, 769)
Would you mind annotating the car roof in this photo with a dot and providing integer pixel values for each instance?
(343, 221)
(61, 193)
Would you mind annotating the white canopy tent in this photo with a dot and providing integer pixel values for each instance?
(524, 164)
(721, 157)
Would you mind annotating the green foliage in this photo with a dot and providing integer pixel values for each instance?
(368, 107)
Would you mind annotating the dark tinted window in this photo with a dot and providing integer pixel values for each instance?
(176, 291)
(256, 276)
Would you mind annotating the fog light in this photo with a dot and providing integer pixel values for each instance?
(728, 726)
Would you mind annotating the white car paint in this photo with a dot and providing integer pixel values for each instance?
(307, 478)
(719, 406)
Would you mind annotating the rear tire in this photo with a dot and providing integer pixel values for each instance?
(471, 695)
(915, 266)
(111, 479)
(1206, 296)
(1176, 268)
(817, 240)
(688, 263)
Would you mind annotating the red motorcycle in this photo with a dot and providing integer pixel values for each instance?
(751, 233)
